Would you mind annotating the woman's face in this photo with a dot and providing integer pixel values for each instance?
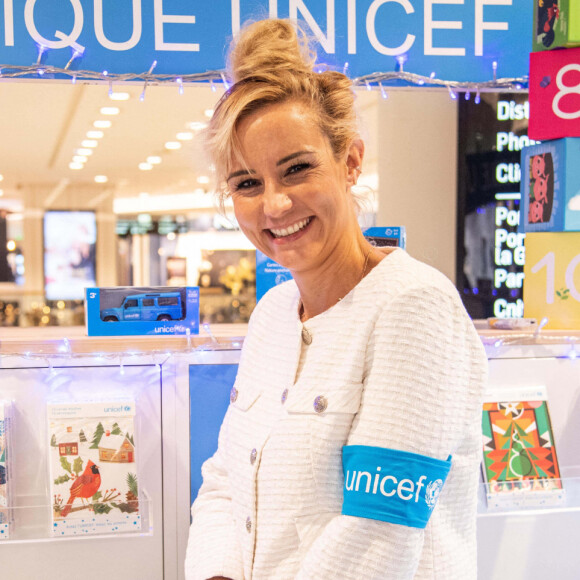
(291, 196)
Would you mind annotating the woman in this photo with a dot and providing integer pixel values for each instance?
(366, 362)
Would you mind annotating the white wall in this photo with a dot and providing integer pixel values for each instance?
(417, 163)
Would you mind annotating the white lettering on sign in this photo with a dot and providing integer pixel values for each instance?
(564, 91)
(405, 488)
(549, 261)
(508, 173)
(8, 23)
(65, 40)
(430, 24)
(481, 24)
(100, 33)
(372, 33)
(504, 309)
(511, 111)
(161, 19)
(512, 142)
(327, 42)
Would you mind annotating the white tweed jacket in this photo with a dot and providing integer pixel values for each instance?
(401, 367)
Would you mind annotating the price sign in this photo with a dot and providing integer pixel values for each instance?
(552, 279)
(555, 94)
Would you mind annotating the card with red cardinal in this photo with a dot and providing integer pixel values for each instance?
(520, 465)
(93, 468)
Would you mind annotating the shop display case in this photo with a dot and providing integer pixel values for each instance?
(180, 387)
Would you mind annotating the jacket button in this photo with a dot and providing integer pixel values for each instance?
(320, 404)
(253, 456)
(233, 395)
(284, 396)
(248, 524)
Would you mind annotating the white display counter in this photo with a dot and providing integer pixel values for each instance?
(179, 393)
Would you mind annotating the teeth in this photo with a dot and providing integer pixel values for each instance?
(292, 229)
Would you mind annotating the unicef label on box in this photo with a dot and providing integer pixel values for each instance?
(127, 310)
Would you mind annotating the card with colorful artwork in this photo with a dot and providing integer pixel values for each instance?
(93, 468)
(5, 472)
(520, 464)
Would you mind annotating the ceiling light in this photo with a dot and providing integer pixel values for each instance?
(95, 134)
(101, 179)
(80, 158)
(184, 136)
(102, 124)
(143, 194)
(208, 113)
(84, 151)
(119, 96)
(145, 166)
(1, 192)
(203, 179)
(75, 165)
(11, 245)
(197, 125)
(154, 160)
(211, 167)
(110, 111)
(1, 177)
(89, 143)
(173, 145)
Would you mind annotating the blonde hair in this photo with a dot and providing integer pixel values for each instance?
(271, 62)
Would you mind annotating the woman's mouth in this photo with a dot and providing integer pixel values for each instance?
(294, 228)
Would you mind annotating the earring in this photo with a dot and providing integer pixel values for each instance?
(357, 168)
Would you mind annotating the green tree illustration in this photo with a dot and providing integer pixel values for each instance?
(53, 440)
(116, 430)
(97, 436)
(132, 484)
(82, 436)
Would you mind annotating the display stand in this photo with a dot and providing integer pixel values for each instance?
(529, 539)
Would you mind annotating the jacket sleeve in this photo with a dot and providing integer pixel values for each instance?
(212, 548)
(425, 373)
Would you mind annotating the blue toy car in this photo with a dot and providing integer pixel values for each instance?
(157, 306)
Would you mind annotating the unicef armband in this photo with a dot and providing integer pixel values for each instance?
(392, 486)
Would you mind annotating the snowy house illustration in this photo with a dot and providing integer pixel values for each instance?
(116, 448)
(67, 443)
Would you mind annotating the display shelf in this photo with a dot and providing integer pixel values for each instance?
(558, 495)
(31, 522)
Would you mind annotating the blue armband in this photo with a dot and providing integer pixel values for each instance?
(390, 485)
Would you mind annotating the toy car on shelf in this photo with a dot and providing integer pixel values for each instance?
(155, 306)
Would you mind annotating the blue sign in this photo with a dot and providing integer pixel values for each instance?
(455, 39)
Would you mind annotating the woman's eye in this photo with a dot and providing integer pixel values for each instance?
(298, 167)
(246, 184)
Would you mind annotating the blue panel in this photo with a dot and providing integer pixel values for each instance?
(209, 397)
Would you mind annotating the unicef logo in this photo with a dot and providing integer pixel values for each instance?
(432, 492)
(127, 408)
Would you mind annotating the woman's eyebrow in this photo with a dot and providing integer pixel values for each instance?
(291, 156)
(240, 172)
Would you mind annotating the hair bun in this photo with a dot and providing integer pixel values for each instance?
(269, 48)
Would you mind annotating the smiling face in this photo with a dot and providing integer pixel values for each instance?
(291, 195)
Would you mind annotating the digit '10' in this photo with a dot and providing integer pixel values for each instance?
(549, 261)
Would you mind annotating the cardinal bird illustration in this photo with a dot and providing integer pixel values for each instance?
(84, 486)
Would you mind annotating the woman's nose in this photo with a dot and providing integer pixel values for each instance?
(276, 203)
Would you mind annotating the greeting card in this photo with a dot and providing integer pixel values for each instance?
(5, 473)
(93, 468)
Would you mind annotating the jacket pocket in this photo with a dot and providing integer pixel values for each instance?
(309, 528)
(343, 399)
(242, 398)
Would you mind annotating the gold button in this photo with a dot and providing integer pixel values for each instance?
(284, 396)
(253, 456)
(320, 404)
(306, 336)
(248, 524)
(233, 395)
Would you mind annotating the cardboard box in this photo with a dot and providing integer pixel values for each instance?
(554, 94)
(552, 279)
(550, 187)
(132, 310)
(556, 24)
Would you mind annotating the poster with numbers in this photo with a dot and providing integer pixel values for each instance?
(93, 468)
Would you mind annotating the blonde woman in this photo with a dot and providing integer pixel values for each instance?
(350, 449)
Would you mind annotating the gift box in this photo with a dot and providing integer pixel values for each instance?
(554, 94)
(552, 279)
(556, 24)
(550, 186)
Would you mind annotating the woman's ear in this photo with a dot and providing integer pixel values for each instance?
(354, 159)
